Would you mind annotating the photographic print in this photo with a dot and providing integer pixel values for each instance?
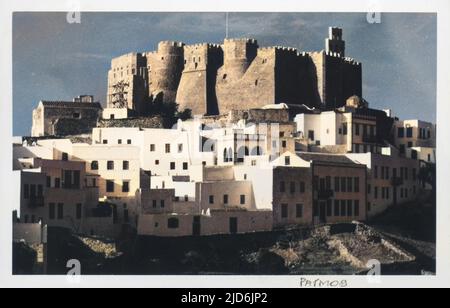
(255, 145)
(224, 143)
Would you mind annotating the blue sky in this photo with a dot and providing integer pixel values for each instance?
(55, 60)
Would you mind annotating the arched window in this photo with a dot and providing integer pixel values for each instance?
(230, 155)
(242, 152)
(257, 151)
(173, 223)
(227, 155)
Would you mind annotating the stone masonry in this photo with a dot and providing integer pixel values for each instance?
(214, 79)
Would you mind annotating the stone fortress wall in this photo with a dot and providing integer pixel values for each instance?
(214, 79)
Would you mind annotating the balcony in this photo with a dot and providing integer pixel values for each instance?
(324, 194)
(36, 202)
(396, 181)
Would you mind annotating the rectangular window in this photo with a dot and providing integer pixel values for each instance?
(119, 141)
(343, 184)
(357, 208)
(65, 156)
(211, 199)
(109, 186)
(287, 161)
(155, 204)
(105, 141)
(388, 190)
(167, 148)
(311, 135)
(49, 182)
(60, 211)
(284, 211)
(401, 132)
(26, 191)
(292, 188)
(299, 210)
(126, 186)
(328, 183)
(163, 204)
(67, 180)
(302, 187)
(172, 166)
(57, 183)
(32, 190)
(356, 179)
(94, 165)
(110, 165)
(225, 199)
(126, 165)
(336, 207)
(372, 131)
(375, 172)
(387, 173)
(336, 184)
(242, 199)
(282, 186)
(329, 208)
(40, 191)
(76, 179)
(185, 166)
(382, 173)
(51, 211)
(349, 208)
(375, 192)
(409, 132)
(343, 208)
(152, 148)
(129, 141)
(79, 211)
(357, 129)
(344, 128)
(180, 148)
(350, 184)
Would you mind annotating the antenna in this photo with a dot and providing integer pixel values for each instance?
(226, 25)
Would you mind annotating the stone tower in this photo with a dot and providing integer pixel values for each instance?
(238, 54)
(131, 70)
(197, 89)
(165, 67)
(334, 42)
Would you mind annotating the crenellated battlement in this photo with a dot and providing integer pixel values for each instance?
(211, 78)
(170, 47)
(209, 46)
(352, 61)
(241, 40)
(171, 44)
